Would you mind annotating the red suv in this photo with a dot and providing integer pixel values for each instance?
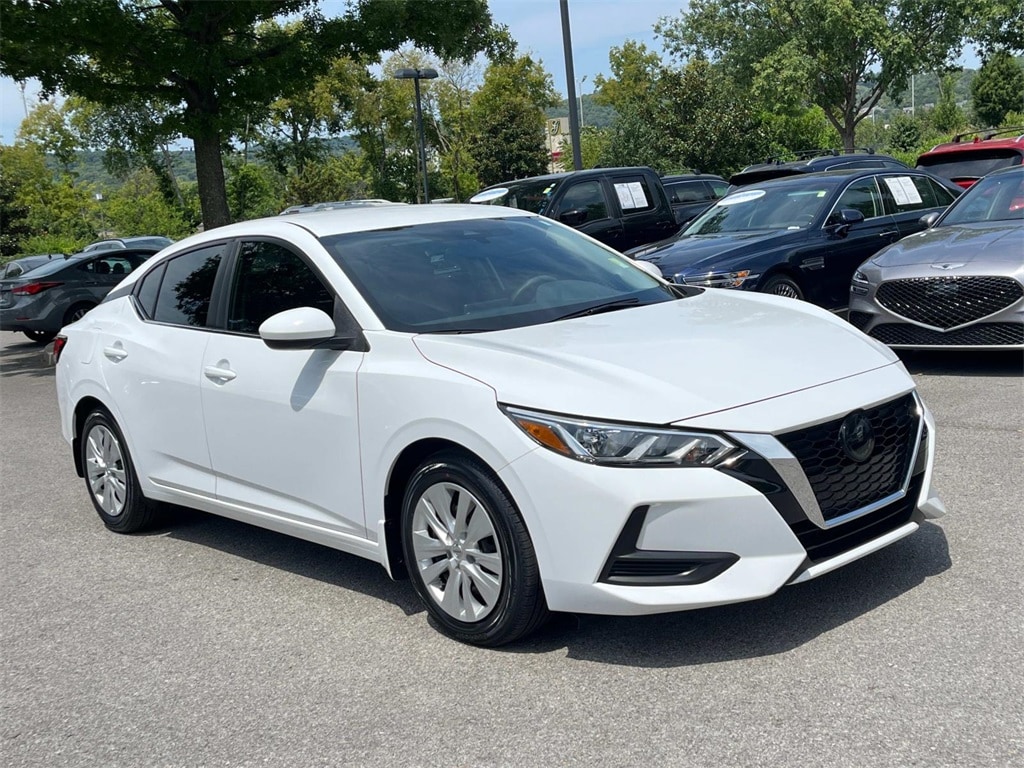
(965, 161)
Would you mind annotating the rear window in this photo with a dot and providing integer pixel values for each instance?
(969, 164)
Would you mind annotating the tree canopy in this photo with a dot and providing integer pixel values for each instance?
(208, 67)
(822, 51)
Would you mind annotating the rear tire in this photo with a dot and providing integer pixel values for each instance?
(110, 476)
(76, 312)
(40, 337)
(780, 285)
(469, 554)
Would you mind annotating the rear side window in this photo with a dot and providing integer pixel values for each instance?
(269, 279)
(186, 286)
(905, 194)
(634, 194)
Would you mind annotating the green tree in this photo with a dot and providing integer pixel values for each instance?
(822, 51)
(508, 119)
(947, 117)
(14, 226)
(997, 25)
(998, 89)
(138, 207)
(207, 66)
(335, 178)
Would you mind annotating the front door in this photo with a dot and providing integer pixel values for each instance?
(282, 425)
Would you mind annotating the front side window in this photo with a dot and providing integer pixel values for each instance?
(487, 274)
(861, 195)
(994, 198)
(186, 286)
(587, 196)
(269, 279)
(686, 192)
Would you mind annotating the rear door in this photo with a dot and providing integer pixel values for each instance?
(645, 214)
(908, 197)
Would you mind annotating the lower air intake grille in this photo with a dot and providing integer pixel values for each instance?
(980, 335)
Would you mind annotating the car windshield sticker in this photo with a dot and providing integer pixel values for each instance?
(903, 190)
(632, 195)
(742, 197)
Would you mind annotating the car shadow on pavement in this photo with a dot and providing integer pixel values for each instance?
(788, 619)
(793, 616)
(287, 553)
(963, 363)
(27, 359)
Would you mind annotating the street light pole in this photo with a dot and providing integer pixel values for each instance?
(416, 75)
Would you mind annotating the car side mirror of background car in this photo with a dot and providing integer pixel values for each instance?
(574, 218)
(929, 219)
(847, 218)
(302, 328)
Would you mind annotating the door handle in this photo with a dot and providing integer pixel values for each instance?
(889, 233)
(115, 352)
(218, 375)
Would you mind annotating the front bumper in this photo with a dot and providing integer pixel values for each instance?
(693, 538)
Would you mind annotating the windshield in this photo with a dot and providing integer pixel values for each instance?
(487, 274)
(529, 196)
(769, 208)
(994, 198)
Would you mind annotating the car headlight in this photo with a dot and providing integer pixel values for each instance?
(622, 445)
(860, 277)
(720, 279)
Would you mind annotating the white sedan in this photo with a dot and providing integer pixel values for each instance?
(498, 407)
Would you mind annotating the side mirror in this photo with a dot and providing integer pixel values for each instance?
(849, 216)
(302, 328)
(574, 218)
(929, 219)
(649, 268)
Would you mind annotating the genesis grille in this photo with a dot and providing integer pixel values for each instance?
(950, 300)
(842, 485)
(980, 335)
(859, 320)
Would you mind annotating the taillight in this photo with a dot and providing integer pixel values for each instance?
(58, 346)
(31, 289)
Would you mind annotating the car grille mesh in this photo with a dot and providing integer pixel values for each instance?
(950, 300)
(859, 320)
(842, 485)
(980, 335)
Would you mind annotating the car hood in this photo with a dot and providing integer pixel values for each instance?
(984, 242)
(695, 252)
(665, 362)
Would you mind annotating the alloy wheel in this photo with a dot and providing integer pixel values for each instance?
(105, 470)
(457, 553)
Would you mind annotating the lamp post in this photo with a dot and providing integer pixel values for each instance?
(416, 75)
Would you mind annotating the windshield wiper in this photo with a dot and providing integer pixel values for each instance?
(608, 306)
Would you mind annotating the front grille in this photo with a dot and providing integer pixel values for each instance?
(980, 335)
(842, 485)
(950, 300)
(821, 544)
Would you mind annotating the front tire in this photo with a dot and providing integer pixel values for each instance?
(110, 476)
(780, 285)
(469, 554)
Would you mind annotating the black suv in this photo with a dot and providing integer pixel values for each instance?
(813, 161)
(621, 207)
(801, 236)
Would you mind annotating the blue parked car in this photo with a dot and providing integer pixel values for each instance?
(800, 236)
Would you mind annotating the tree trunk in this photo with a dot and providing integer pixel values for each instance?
(213, 195)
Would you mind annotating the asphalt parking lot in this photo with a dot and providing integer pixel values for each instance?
(211, 643)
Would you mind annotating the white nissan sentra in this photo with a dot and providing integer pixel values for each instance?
(500, 408)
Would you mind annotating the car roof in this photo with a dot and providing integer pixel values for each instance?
(983, 139)
(566, 174)
(695, 176)
(775, 167)
(337, 221)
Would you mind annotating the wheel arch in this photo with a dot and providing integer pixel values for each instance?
(405, 464)
(83, 408)
(784, 269)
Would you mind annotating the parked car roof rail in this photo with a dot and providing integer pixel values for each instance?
(984, 134)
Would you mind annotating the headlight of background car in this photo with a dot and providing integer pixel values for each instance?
(623, 445)
(720, 279)
(860, 283)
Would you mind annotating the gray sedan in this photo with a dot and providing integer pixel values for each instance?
(44, 300)
(959, 284)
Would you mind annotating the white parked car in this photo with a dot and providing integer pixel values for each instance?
(503, 409)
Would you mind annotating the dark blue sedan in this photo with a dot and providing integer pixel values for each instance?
(802, 236)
